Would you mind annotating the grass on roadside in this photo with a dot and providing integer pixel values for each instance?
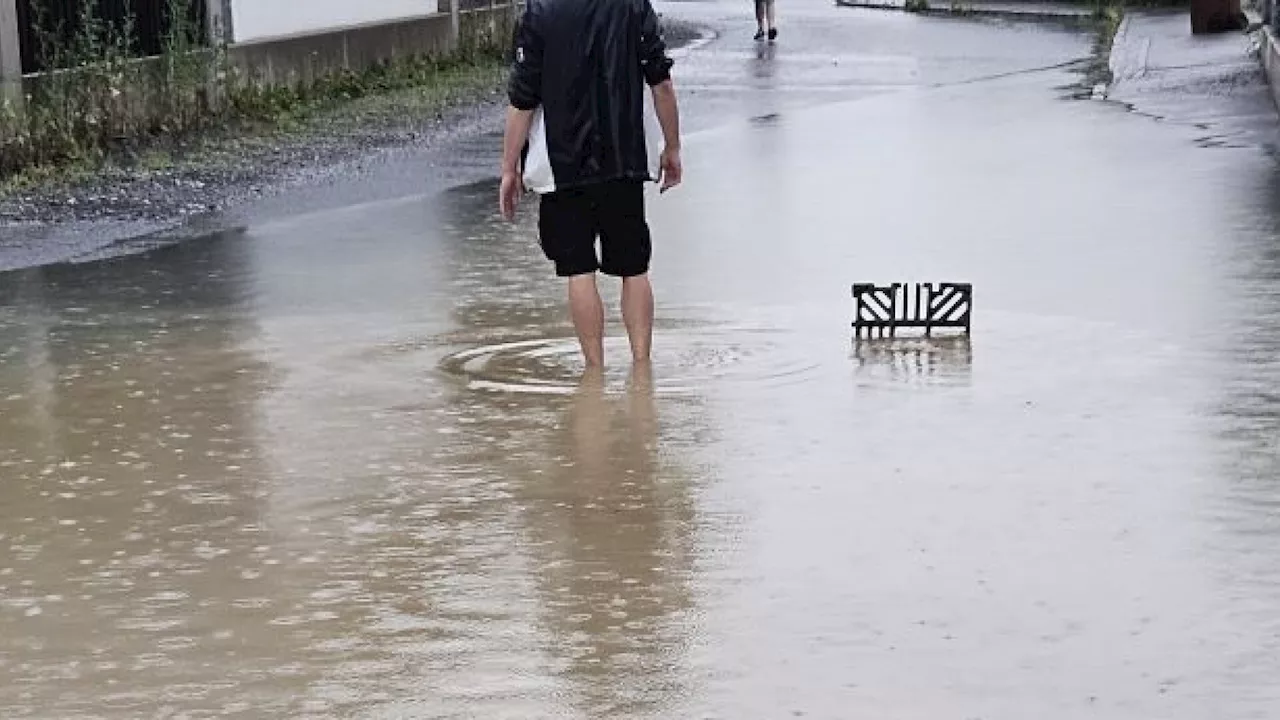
(425, 83)
(97, 104)
(399, 94)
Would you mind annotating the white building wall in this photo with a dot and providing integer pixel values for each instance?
(260, 19)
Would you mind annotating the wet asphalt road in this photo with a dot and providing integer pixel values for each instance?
(342, 464)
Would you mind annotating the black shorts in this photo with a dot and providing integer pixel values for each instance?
(570, 221)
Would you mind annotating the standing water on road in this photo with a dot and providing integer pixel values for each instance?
(347, 465)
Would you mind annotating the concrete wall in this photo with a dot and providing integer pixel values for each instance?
(255, 20)
(306, 58)
(302, 59)
(289, 61)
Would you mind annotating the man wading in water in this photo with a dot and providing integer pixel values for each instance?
(576, 134)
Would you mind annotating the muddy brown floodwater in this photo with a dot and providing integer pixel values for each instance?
(346, 464)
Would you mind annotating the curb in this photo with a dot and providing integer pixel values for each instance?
(1269, 54)
(1128, 60)
(708, 35)
(1122, 32)
(1102, 91)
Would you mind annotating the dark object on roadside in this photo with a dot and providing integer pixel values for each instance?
(927, 306)
(1216, 16)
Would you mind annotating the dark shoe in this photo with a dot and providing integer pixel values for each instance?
(773, 34)
(759, 35)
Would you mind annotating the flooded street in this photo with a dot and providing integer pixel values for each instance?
(346, 464)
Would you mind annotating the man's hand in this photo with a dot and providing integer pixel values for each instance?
(672, 169)
(668, 110)
(513, 141)
(509, 194)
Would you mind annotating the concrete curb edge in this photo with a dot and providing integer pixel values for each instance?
(1269, 54)
(1129, 59)
(706, 36)
(1118, 40)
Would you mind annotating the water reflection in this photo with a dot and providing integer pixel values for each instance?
(1242, 502)
(914, 361)
(763, 64)
(611, 522)
(232, 487)
(1249, 406)
(131, 474)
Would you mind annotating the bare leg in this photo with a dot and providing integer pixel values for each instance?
(588, 317)
(771, 14)
(637, 313)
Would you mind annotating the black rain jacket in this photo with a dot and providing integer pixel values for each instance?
(586, 63)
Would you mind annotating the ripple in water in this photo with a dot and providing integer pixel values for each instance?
(684, 361)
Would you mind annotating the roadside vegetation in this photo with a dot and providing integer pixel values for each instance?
(99, 104)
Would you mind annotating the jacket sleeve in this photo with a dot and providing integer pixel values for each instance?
(524, 89)
(654, 62)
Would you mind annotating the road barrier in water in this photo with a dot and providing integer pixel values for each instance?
(884, 309)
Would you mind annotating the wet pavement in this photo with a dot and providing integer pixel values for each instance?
(1213, 83)
(344, 464)
(991, 8)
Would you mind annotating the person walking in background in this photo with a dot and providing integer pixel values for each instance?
(766, 20)
(575, 134)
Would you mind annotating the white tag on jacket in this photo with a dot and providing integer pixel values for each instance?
(538, 174)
